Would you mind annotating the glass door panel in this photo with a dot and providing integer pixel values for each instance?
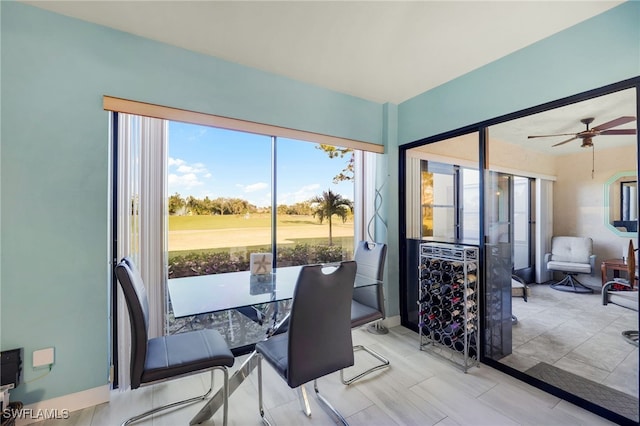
(523, 227)
(498, 265)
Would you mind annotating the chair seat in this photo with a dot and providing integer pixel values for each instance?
(362, 314)
(580, 268)
(173, 355)
(274, 350)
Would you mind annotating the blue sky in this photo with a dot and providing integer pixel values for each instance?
(206, 161)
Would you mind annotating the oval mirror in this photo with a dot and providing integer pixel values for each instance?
(621, 203)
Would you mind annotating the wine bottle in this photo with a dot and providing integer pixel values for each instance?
(434, 299)
(449, 340)
(434, 312)
(452, 329)
(458, 345)
(434, 323)
(445, 291)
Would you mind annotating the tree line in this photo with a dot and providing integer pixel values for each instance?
(229, 206)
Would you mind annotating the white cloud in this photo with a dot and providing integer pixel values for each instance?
(175, 162)
(304, 193)
(194, 168)
(256, 187)
(184, 176)
(186, 181)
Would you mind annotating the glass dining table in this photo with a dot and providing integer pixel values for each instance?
(208, 294)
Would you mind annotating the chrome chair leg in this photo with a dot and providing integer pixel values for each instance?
(260, 405)
(190, 400)
(327, 405)
(384, 363)
(304, 400)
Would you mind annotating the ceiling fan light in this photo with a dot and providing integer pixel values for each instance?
(587, 143)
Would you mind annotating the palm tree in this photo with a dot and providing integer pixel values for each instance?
(330, 204)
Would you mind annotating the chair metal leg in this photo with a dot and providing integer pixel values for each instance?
(631, 336)
(260, 406)
(327, 405)
(384, 362)
(304, 400)
(377, 328)
(190, 400)
(569, 283)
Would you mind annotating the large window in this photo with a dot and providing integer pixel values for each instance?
(235, 193)
(210, 191)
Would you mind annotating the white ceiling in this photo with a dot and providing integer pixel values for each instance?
(384, 51)
(566, 119)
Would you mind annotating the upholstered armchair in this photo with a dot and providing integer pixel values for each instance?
(571, 256)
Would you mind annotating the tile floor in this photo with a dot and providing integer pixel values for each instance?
(418, 389)
(576, 333)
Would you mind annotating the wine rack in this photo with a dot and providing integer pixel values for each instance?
(448, 302)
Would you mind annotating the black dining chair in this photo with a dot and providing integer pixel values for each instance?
(318, 339)
(166, 357)
(367, 305)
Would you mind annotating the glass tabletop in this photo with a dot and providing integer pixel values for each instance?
(221, 292)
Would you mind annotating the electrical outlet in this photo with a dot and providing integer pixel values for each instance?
(42, 357)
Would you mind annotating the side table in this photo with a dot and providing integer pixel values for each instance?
(615, 265)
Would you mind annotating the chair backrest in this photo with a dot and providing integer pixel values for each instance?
(631, 264)
(320, 323)
(571, 249)
(370, 259)
(135, 295)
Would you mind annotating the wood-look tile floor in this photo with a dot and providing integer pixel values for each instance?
(418, 389)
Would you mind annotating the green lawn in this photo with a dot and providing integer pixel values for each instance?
(188, 223)
(305, 230)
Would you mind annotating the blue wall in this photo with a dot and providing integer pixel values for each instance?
(54, 168)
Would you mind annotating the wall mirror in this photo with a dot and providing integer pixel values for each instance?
(621, 203)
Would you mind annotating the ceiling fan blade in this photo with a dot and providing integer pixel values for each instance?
(563, 142)
(619, 132)
(549, 136)
(613, 123)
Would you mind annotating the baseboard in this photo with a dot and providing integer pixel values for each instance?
(391, 321)
(61, 407)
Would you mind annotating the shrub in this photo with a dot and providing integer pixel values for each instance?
(209, 263)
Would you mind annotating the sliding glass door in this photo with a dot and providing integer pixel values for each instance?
(498, 263)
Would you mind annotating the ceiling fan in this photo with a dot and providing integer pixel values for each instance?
(588, 134)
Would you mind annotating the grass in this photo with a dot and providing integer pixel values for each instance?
(240, 230)
(258, 220)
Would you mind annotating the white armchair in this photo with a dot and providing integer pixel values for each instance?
(571, 256)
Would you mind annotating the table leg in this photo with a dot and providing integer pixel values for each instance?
(603, 271)
(235, 380)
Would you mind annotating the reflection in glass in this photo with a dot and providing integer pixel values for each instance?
(622, 209)
(438, 201)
